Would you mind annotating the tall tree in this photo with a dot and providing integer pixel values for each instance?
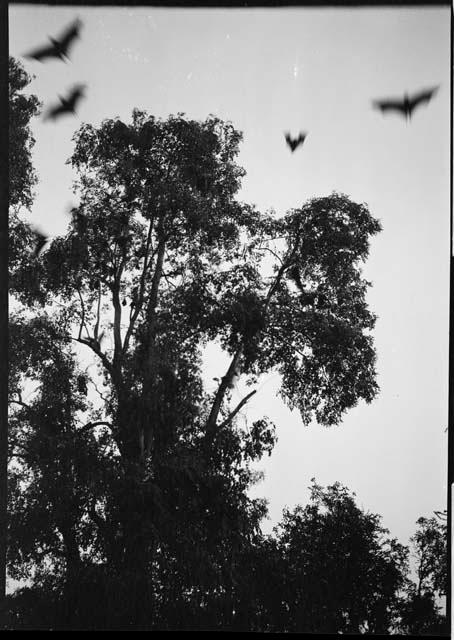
(14, 234)
(159, 259)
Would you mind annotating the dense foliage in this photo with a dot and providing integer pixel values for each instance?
(22, 108)
(341, 573)
(422, 610)
(129, 479)
(22, 175)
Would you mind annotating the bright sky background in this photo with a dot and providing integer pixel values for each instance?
(315, 70)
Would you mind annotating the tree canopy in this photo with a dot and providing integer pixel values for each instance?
(22, 175)
(22, 108)
(421, 610)
(129, 479)
(342, 571)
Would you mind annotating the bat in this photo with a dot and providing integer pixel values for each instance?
(82, 385)
(68, 104)
(294, 143)
(41, 241)
(57, 48)
(408, 104)
(294, 273)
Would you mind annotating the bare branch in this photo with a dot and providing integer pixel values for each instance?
(139, 301)
(118, 347)
(271, 251)
(237, 408)
(91, 425)
(98, 391)
(94, 346)
(20, 402)
(82, 323)
(98, 316)
(219, 397)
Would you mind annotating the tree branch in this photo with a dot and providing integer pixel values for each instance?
(237, 408)
(154, 298)
(272, 252)
(219, 397)
(285, 265)
(20, 402)
(118, 347)
(82, 322)
(98, 316)
(94, 346)
(139, 301)
(98, 391)
(91, 425)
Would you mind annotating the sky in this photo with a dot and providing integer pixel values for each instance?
(315, 70)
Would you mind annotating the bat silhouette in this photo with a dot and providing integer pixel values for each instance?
(58, 48)
(41, 241)
(408, 104)
(295, 142)
(68, 104)
(82, 385)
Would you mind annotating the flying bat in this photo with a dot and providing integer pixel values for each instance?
(67, 105)
(57, 48)
(408, 104)
(41, 241)
(295, 142)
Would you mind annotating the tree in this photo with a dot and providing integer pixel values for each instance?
(421, 608)
(341, 573)
(159, 259)
(22, 108)
(15, 234)
(22, 175)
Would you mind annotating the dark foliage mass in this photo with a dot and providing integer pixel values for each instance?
(128, 489)
(22, 108)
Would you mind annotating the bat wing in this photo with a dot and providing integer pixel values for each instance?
(389, 105)
(69, 35)
(41, 241)
(74, 98)
(422, 97)
(42, 52)
(57, 110)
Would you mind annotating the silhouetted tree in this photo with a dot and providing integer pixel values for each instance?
(148, 523)
(22, 175)
(340, 572)
(421, 609)
(22, 108)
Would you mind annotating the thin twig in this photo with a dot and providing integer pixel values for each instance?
(271, 251)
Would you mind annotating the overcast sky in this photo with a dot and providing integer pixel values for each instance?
(315, 70)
